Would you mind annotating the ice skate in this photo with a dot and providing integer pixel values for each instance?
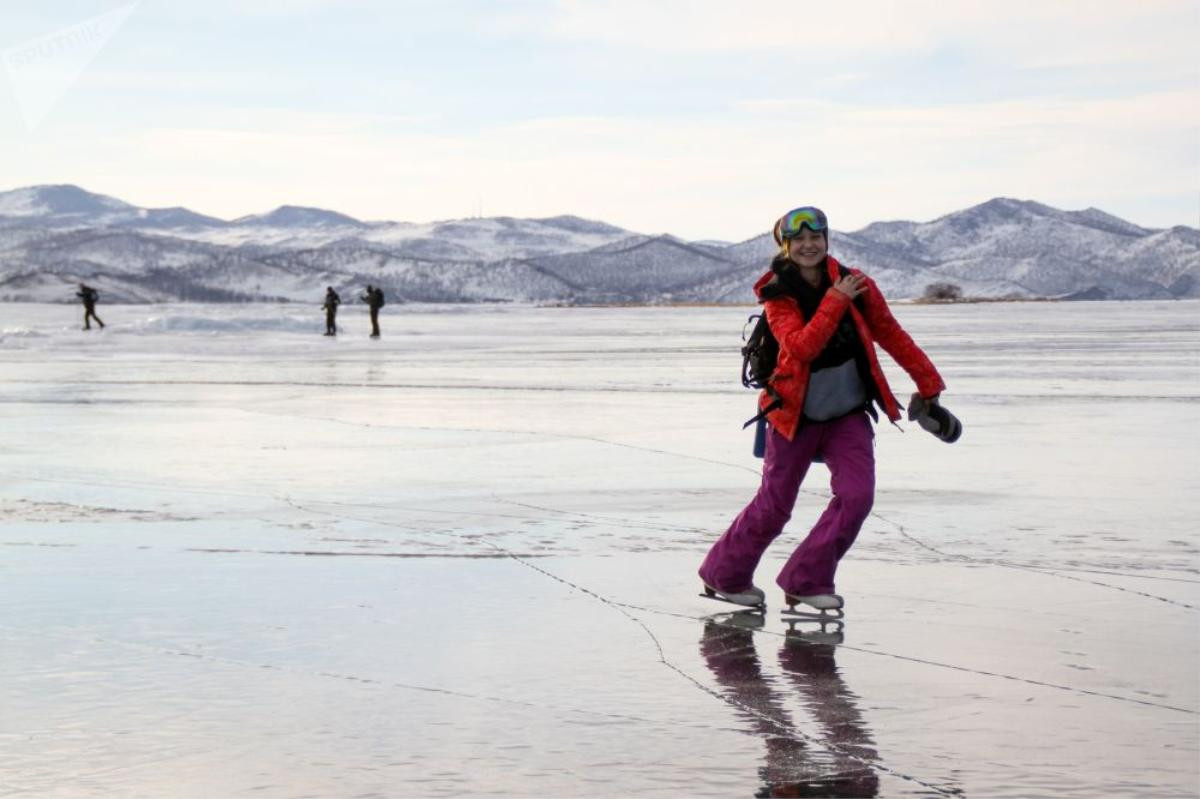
(752, 597)
(828, 606)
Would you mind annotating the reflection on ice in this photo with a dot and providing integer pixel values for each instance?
(815, 631)
(839, 759)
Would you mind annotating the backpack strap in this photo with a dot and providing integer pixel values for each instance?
(775, 404)
(759, 345)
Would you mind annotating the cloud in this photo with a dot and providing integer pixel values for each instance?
(707, 25)
(732, 156)
(718, 178)
(235, 8)
(1017, 32)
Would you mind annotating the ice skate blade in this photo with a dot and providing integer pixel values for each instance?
(814, 637)
(794, 622)
(750, 619)
(830, 614)
(761, 606)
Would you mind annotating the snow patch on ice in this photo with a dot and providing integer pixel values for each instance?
(182, 323)
(24, 510)
(20, 332)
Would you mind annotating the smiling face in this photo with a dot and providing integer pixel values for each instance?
(807, 248)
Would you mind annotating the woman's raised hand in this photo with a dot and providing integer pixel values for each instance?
(851, 285)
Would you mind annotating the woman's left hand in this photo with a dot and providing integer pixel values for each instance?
(851, 285)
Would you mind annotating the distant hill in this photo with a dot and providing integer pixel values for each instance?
(52, 237)
(295, 216)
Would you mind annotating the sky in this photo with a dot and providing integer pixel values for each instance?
(706, 119)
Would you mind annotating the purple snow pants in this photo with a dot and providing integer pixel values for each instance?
(847, 446)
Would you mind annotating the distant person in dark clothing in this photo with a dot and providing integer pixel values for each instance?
(373, 297)
(332, 301)
(89, 296)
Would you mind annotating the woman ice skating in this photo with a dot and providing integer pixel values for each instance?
(819, 406)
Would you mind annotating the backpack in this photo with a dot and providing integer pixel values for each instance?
(379, 297)
(759, 356)
(759, 353)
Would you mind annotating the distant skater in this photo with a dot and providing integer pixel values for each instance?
(819, 405)
(89, 296)
(373, 297)
(332, 301)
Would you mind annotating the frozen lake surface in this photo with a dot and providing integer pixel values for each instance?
(238, 558)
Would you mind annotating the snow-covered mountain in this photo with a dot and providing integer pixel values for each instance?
(50, 205)
(296, 216)
(52, 237)
(1044, 251)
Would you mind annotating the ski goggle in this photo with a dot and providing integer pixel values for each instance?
(790, 224)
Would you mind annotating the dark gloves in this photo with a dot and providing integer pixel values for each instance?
(934, 418)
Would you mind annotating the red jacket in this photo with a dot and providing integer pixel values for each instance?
(800, 343)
